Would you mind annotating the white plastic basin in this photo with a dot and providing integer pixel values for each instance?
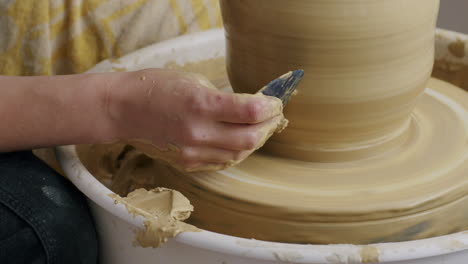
(116, 227)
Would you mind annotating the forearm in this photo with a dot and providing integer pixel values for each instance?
(49, 111)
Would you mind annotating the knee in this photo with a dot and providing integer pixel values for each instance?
(67, 222)
(51, 206)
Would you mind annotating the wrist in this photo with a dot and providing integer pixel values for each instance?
(110, 106)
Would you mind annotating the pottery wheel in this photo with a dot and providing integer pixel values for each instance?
(416, 190)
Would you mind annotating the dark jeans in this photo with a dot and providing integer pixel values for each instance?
(43, 217)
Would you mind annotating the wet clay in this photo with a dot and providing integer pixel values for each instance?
(366, 63)
(163, 210)
(452, 58)
(132, 176)
(132, 168)
(406, 194)
(369, 254)
(455, 72)
(457, 48)
(371, 155)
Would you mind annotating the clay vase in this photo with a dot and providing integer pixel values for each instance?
(366, 63)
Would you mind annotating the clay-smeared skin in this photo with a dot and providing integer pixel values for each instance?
(365, 61)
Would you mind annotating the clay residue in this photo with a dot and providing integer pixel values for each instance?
(128, 173)
(287, 257)
(168, 153)
(369, 254)
(331, 191)
(400, 196)
(119, 69)
(457, 48)
(455, 73)
(336, 258)
(122, 168)
(163, 210)
(114, 60)
(454, 245)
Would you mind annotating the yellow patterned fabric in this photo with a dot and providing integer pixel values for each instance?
(48, 37)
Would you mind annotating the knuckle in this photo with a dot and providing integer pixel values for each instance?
(218, 100)
(220, 104)
(196, 136)
(196, 108)
(254, 111)
(197, 104)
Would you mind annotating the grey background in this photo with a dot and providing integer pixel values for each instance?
(454, 15)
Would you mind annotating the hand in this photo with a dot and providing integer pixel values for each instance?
(183, 119)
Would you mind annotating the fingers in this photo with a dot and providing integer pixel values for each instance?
(236, 136)
(227, 145)
(206, 167)
(242, 108)
(211, 155)
(211, 129)
(235, 108)
(248, 137)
